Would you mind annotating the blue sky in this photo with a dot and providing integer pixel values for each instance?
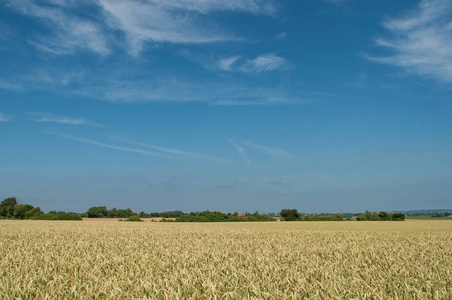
(239, 105)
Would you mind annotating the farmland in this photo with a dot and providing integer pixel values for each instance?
(276, 260)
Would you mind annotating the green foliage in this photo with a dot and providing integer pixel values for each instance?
(216, 216)
(102, 212)
(142, 214)
(289, 214)
(382, 215)
(134, 218)
(97, 212)
(398, 217)
(58, 217)
(7, 207)
(26, 211)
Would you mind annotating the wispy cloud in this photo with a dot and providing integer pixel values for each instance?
(6, 85)
(226, 64)
(273, 152)
(263, 63)
(4, 118)
(421, 40)
(176, 152)
(86, 141)
(48, 117)
(281, 36)
(336, 2)
(263, 101)
(140, 22)
(70, 33)
(241, 152)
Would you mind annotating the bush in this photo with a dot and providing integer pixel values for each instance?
(398, 217)
(59, 217)
(134, 218)
(360, 218)
(289, 214)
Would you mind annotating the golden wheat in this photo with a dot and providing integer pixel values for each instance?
(300, 260)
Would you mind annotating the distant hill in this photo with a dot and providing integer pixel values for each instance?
(423, 211)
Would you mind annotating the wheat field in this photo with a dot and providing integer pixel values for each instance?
(277, 260)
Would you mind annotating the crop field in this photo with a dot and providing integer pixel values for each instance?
(277, 260)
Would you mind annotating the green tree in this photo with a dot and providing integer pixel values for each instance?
(97, 212)
(382, 215)
(398, 217)
(307, 218)
(21, 211)
(7, 207)
(289, 214)
(113, 213)
(142, 214)
(125, 213)
(134, 218)
(338, 217)
(367, 215)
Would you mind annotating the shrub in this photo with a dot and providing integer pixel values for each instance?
(134, 218)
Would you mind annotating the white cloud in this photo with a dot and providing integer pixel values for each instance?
(241, 152)
(93, 25)
(180, 153)
(336, 2)
(225, 64)
(70, 32)
(158, 21)
(263, 101)
(281, 36)
(144, 22)
(4, 118)
(422, 40)
(273, 152)
(6, 85)
(263, 63)
(48, 117)
(203, 6)
(86, 141)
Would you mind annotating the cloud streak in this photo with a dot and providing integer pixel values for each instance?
(241, 152)
(180, 153)
(273, 152)
(421, 40)
(69, 32)
(91, 142)
(264, 63)
(4, 118)
(139, 22)
(49, 117)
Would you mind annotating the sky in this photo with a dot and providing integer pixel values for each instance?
(239, 105)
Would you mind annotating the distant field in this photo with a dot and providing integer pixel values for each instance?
(275, 260)
(117, 219)
(428, 218)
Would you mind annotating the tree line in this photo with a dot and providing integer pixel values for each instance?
(11, 209)
(294, 215)
(103, 212)
(217, 216)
